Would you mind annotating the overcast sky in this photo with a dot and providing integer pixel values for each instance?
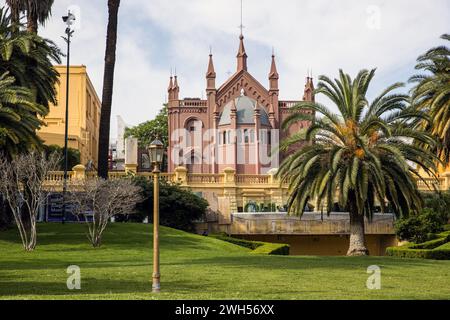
(323, 35)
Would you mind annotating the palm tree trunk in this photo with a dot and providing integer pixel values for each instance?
(14, 6)
(357, 245)
(108, 81)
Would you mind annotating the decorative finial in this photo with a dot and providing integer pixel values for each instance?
(210, 50)
(241, 26)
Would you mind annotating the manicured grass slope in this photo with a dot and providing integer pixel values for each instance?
(195, 267)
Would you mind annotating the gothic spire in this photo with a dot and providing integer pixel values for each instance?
(242, 55)
(211, 72)
(273, 69)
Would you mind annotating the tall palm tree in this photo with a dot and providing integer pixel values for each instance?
(37, 12)
(360, 157)
(432, 94)
(108, 83)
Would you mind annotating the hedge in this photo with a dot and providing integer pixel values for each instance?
(438, 249)
(257, 247)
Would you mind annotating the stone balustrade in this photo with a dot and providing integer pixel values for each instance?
(228, 177)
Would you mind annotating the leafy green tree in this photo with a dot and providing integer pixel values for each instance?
(73, 155)
(419, 228)
(179, 208)
(359, 156)
(431, 94)
(148, 131)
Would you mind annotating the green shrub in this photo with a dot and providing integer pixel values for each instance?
(436, 254)
(430, 244)
(257, 247)
(178, 208)
(439, 203)
(438, 249)
(419, 228)
(280, 249)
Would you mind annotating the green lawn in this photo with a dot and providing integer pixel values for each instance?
(195, 267)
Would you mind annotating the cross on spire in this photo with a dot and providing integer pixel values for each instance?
(241, 26)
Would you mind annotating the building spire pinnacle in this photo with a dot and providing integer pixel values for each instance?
(170, 82)
(242, 55)
(211, 72)
(273, 68)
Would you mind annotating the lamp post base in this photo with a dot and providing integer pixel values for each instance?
(156, 287)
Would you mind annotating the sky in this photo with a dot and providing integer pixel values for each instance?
(156, 36)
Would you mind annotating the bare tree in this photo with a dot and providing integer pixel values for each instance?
(22, 185)
(102, 199)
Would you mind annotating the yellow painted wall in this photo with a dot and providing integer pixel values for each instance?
(84, 115)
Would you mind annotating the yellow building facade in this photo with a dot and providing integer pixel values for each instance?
(84, 115)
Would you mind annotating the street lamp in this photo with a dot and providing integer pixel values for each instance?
(68, 20)
(156, 153)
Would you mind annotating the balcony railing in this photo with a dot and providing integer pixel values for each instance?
(205, 178)
(252, 179)
(218, 180)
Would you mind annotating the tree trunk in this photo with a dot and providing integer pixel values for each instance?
(32, 24)
(357, 245)
(6, 216)
(108, 82)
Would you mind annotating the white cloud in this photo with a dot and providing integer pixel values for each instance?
(323, 35)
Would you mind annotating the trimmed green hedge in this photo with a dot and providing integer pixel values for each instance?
(258, 247)
(438, 249)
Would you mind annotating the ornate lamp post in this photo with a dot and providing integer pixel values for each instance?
(156, 153)
(68, 20)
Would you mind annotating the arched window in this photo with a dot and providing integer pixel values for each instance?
(246, 137)
(224, 135)
(229, 137)
(269, 138)
(252, 136)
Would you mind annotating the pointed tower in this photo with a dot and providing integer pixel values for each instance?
(211, 91)
(242, 55)
(170, 89)
(273, 93)
(176, 88)
(273, 75)
(210, 74)
(309, 90)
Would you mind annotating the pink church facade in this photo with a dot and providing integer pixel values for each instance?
(237, 126)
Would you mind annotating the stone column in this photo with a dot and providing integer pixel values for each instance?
(181, 176)
(228, 203)
(131, 154)
(79, 172)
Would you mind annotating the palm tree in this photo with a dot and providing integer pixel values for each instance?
(359, 157)
(37, 12)
(432, 95)
(29, 59)
(108, 81)
(16, 7)
(18, 121)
